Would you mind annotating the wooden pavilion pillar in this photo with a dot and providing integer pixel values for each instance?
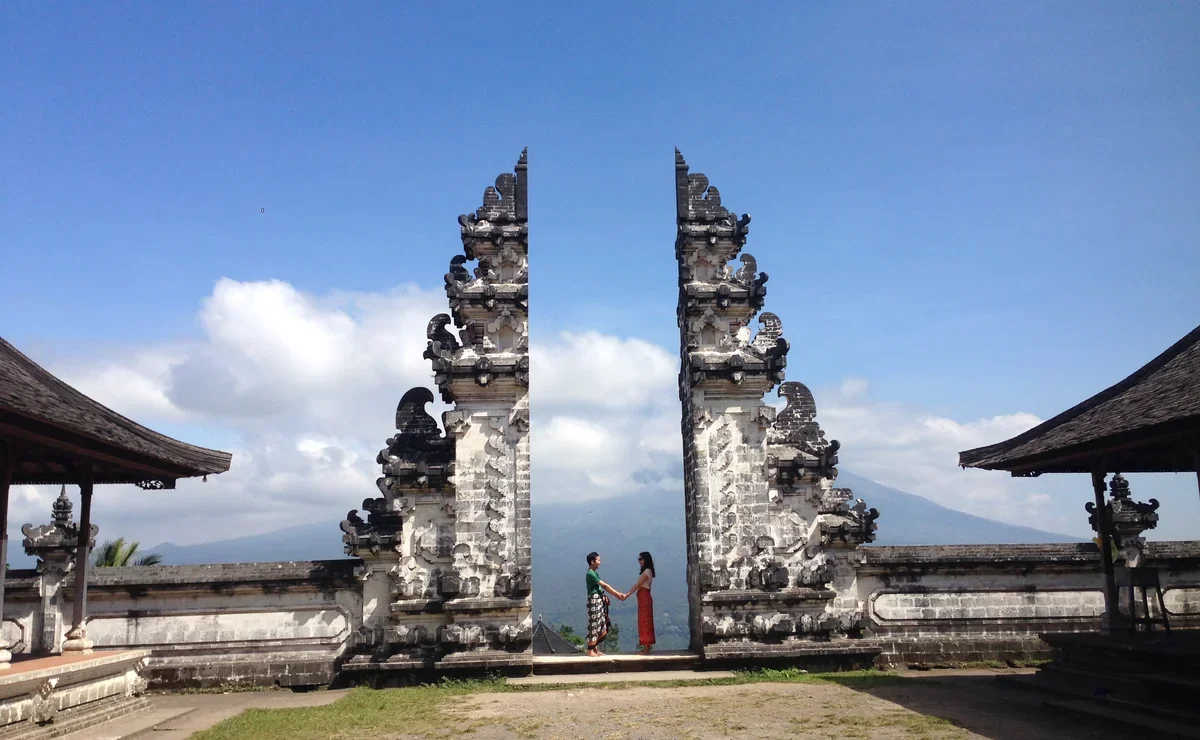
(1112, 608)
(77, 637)
(7, 469)
(1196, 464)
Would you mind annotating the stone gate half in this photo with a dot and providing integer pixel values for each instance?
(771, 543)
(445, 547)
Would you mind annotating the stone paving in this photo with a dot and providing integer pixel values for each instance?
(178, 716)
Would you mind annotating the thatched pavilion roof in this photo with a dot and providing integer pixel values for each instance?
(55, 430)
(1147, 423)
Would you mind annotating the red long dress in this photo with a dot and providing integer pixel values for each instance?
(645, 616)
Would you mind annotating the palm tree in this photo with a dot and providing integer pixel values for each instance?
(117, 553)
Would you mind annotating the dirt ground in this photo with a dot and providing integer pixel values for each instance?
(934, 709)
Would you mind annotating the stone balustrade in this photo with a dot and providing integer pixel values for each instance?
(952, 604)
(282, 623)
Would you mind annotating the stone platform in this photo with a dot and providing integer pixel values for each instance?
(834, 656)
(54, 695)
(1147, 682)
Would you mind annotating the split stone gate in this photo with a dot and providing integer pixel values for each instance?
(772, 544)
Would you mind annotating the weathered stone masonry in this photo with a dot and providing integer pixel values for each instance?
(771, 543)
(446, 551)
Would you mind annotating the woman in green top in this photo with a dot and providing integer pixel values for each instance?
(597, 606)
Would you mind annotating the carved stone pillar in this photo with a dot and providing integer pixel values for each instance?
(766, 531)
(55, 546)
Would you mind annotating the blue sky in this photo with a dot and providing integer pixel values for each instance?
(981, 211)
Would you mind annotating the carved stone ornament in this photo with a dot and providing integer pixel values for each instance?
(55, 544)
(44, 707)
(1128, 518)
(456, 422)
(853, 526)
(518, 420)
(508, 199)
(418, 456)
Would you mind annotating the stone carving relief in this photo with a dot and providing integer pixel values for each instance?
(500, 482)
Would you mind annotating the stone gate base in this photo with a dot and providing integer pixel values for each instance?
(55, 695)
(831, 656)
(403, 670)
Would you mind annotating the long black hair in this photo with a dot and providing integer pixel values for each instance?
(647, 564)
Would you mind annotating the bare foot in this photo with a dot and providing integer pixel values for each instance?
(593, 654)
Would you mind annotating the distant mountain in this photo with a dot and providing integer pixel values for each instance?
(563, 533)
(317, 541)
(905, 519)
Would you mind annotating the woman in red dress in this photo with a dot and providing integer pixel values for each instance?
(645, 602)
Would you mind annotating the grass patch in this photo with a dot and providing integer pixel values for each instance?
(854, 725)
(427, 710)
(980, 664)
(419, 710)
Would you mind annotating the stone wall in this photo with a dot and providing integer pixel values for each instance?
(297, 623)
(942, 605)
(264, 623)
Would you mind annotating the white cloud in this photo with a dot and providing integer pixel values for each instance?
(590, 369)
(305, 388)
(907, 448)
(854, 387)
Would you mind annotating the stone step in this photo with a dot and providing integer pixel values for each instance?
(567, 679)
(1146, 725)
(1167, 697)
(1169, 712)
(1173, 688)
(142, 724)
(80, 722)
(1091, 683)
(674, 660)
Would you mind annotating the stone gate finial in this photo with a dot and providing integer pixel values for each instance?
(61, 508)
(695, 198)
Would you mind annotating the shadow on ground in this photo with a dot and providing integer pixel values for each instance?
(980, 705)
